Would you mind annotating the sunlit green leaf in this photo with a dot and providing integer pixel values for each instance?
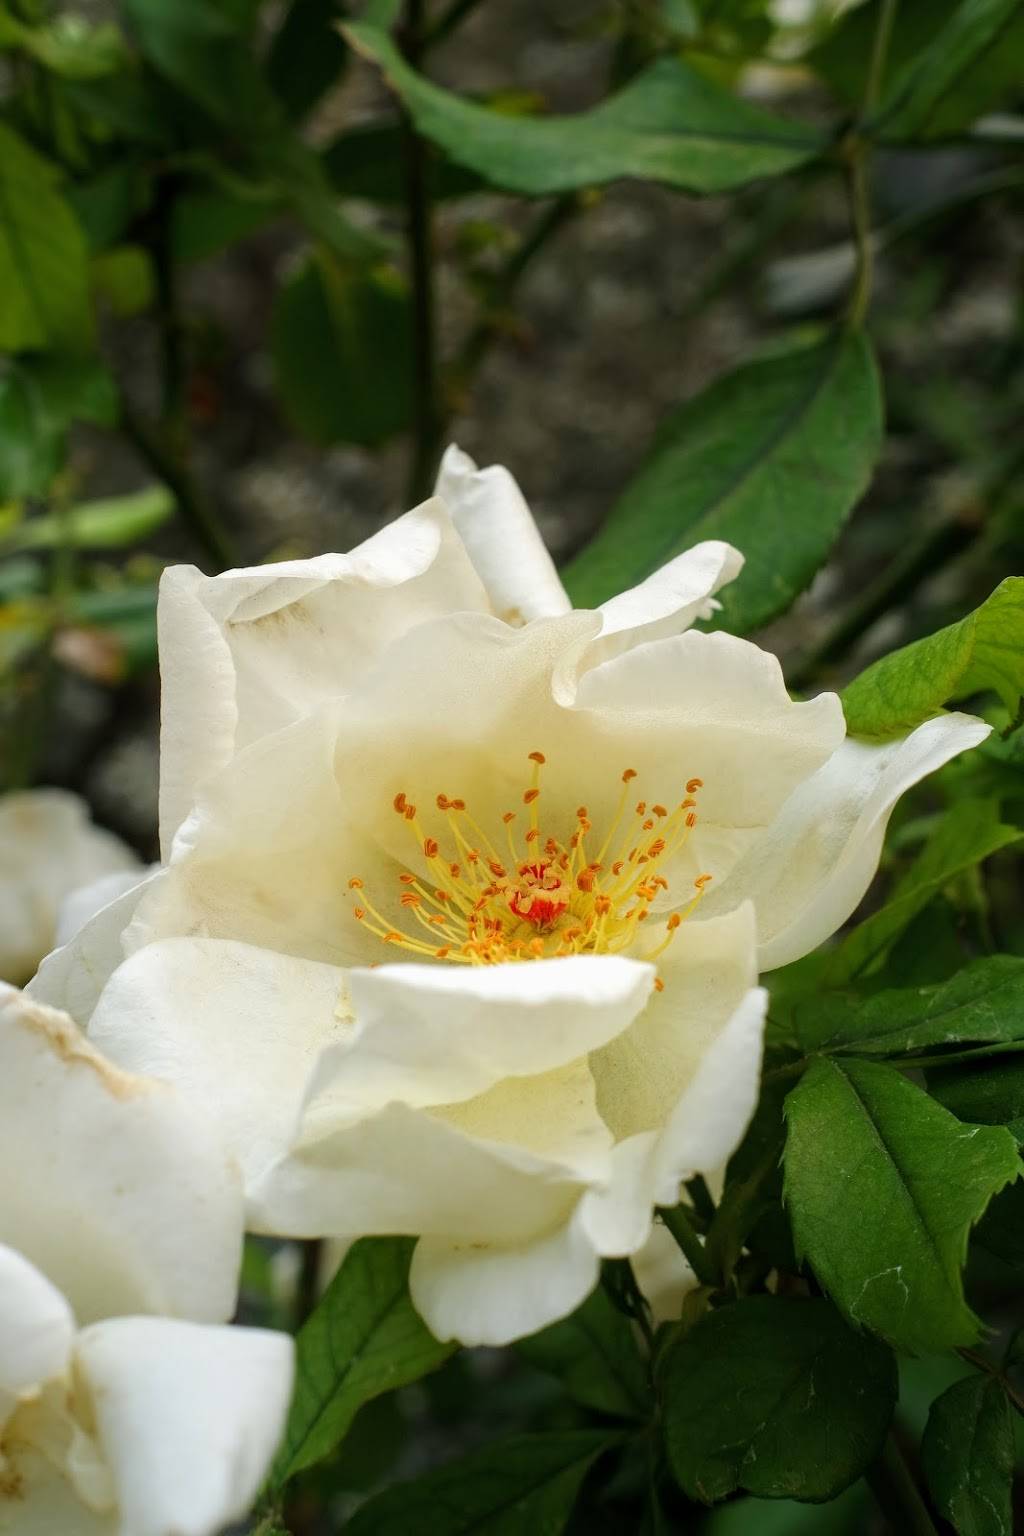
(671, 124)
(883, 1186)
(984, 650)
(775, 1395)
(968, 1455)
(771, 458)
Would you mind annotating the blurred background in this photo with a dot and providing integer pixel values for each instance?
(237, 383)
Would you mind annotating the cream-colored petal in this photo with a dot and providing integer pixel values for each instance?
(503, 541)
(247, 652)
(48, 848)
(128, 1202)
(410, 1171)
(663, 1274)
(808, 871)
(36, 1332)
(481, 1293)
(36, 1499)
(188, 1418)
(236, 1029)
(707, 971)
(72, 977)
(85, 903)
(436, 1034)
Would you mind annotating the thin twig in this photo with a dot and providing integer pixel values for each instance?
(689, 1244)
(990, 1369)
(857, 151)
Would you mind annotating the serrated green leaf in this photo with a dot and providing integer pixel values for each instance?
(983, 1004)
(775, 1395)
(967, 1454)
(912, 106)
(594, 1354)
(44, 273)
(966, 835)
(342, 346)
(991, 1093)
(984, 650)
(772, 458)
(670, 124)
(523, 1486)
(364, 1338)
(883, 1186)
(112, 523)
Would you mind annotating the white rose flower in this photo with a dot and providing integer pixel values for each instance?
(572, 828)
(118, 1199)
(49, 848)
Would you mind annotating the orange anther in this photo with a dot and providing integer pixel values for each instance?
(392, 937)
(694, 784)
(508, 816)
(409, 899)
(442, 954)
(530, 795)
(702, 880)
(532, 835)
(602, 904)
(582, 813)
(673, 922)
(359, 913)
(410, 813)
(649, 825)
(630, 773)
(399, 803)
(456, 805)
(430, 847)
(691, 819)
(407, 879)
(659, 810)
(687, 805)
(659, 985)
(657, 848)
(537, 757)
(641, 807)
(355, 884)
(617, 867)
(443, 802)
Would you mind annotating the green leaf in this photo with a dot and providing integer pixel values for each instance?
(124, 277)
(967, 1454)
(775, 1395)
(206, 222)
(984, 650)
(342, 344)
(594, 1354)
(523, 1486)
(670, 124)
(912, 107)
(39, 398)
(771, 458)
(968, 833)
(44, 274)
(983, 1004)
(113, 523)
(307, 55)
(991, 1093)
(366, 161)
(67, 45)
(364, 1338)
(883, 1186)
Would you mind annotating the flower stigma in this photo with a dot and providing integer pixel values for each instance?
(542, 897)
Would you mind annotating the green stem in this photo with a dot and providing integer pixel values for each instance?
(857, 151)
(689, 1244)
(428, 420)
(897, 1494)
(175, 474)
(982, 1364)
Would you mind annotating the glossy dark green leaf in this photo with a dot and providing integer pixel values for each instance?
(307, 54)
(983, 1004)
(594, 1353)
(990, 1093)
(364, 1338)
(983, 651)
(44, 272)
(883, 1186)
(921, 99)
(670, 124)
(775, 1395)
(523, 1486)
(967, 1454)
(771, 458)
(967, 834)
(342, 349)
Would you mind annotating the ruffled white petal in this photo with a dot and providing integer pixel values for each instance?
(72, 977)
(436, 1034)
(235, 1028)
(48, 848)
(83, 905)
(502, 539)
(250, 651)
(188, 1418)
(36, 1332)
(807, 873)
(485, 1294)
(130, 1203)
